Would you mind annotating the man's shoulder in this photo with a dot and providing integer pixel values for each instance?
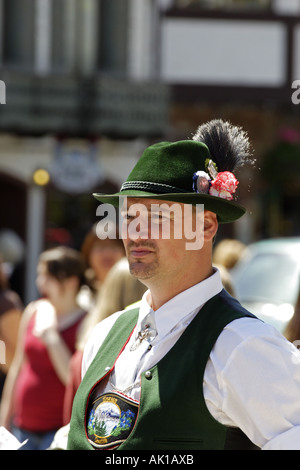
(101, 330)
(96, 338)
(230, 303)
(133, 306)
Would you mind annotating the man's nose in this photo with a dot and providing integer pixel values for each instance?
(138, 229)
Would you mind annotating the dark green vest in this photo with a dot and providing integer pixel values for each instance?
(173, 414)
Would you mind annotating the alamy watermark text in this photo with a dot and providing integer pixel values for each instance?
(2, 352)
(2, 92)
(296, 94)
(153, 221)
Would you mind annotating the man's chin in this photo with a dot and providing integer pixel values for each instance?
(141, 270)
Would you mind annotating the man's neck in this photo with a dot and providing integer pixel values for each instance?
(161, 292)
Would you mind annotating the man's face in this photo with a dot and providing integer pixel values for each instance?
(156, 240)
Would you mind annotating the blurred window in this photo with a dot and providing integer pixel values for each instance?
(224, 4)
(59, 34)
(113, 37)
(18, 33)
(64, 26)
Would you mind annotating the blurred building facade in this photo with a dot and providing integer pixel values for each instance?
(91, 83)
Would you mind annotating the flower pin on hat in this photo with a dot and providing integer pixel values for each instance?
(221, 184)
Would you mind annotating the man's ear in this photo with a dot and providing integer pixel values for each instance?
(210, 225)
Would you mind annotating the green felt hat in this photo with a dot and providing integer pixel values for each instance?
(178, 172)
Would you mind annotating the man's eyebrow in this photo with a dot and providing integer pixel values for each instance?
(135, 210)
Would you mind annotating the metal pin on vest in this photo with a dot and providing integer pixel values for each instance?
(148, 333)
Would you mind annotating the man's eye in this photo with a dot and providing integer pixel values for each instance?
(160, 218)
(127, 217)
(156, 217)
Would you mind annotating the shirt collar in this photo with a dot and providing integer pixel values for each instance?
(182, 305)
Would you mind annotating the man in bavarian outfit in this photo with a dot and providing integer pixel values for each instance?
(188, 368)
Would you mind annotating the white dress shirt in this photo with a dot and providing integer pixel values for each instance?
(252, 377)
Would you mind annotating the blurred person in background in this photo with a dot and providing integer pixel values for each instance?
(228, 252)
(33, 395)
(226, 279)
(99, 256)
(11, 308)
(12, 249)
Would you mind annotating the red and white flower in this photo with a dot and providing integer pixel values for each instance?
(224, 185)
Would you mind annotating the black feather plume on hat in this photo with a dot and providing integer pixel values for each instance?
(228, 145)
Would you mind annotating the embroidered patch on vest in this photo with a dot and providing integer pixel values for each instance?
(110, 419)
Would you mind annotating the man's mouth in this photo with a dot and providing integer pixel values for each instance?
(138, 251)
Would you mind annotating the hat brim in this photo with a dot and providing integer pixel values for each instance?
(227, 211)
